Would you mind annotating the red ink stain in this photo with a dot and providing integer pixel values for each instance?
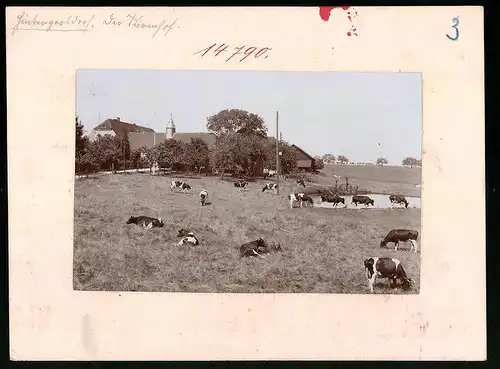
(325, 11)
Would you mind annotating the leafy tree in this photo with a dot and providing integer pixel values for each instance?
(318, 163)
(81, 143)
(288, 158)
(328, 158)
(381, 161)
(410, 161)
(197, 154)
(224, 155)
(342, 159)
(170, 153)
(236, 121)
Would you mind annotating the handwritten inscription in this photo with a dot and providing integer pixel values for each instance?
(240, 50)
(138, 22)
(77, 23)
(456, 21)
(71, 23)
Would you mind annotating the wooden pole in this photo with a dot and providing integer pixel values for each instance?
(277, 156)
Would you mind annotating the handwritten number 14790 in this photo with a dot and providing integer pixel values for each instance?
(252, 50)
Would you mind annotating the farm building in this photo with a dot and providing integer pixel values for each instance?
(148, 139)
(305, 161)
(116, 127)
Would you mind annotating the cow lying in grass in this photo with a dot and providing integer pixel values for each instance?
(180, 185)
(187, 237)
(258, 248)
(302, 197)
(146, 222)
(403, 235)
(389, 268)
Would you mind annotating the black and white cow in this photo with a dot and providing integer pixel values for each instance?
(254, 248)
(270, 186)
(302, 197)
(146, 222)
(389, 268)
(189, 238)
(301, 182)
(398, 199)
(362, 199)
(240, 184)
(403, 235)
(333, 198)
(179, 184)
(203, 197)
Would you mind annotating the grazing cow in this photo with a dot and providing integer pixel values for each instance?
(203, 197)
(301, 182)
(302, 197)
(362, 199)
(335, 199)
(240, 184)
(189, 238)
(253, 248)
(271, 186)
(398, 199)
(179, 184)
(403, 235)
(389, 268)
(146, 222)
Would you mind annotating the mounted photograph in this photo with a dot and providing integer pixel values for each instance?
(247, 182)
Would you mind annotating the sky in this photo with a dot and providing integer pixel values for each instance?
(360, 115)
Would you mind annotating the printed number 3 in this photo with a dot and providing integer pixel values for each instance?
(456, 20)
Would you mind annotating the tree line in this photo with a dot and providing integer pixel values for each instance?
(241, 148)
(342, 159)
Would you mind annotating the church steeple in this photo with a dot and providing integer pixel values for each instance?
(170, 129)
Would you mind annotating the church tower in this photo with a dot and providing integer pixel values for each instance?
(170, 129)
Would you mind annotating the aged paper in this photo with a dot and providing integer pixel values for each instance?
(49, 321)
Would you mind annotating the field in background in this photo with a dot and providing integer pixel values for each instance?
(323, 249)
(374, 178)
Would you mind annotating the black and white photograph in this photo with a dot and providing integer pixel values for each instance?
(284, 182)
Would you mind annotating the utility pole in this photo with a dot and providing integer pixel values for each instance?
(277, 156)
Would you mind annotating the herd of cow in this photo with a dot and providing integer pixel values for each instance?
(375, 267)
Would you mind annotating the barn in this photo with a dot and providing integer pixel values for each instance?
(116, 127)
(305, 162)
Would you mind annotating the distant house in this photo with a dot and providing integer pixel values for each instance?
(305, 161)
(148, 139)
(116, 127)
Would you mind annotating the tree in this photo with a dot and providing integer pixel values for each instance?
(328, 158)
(410, 161)
(342, 159)
(381, 161)
(80, 144)
(236, 121)
(318, 163)
(288, 157)
(170, 153)
(224, 156)
(197, 154)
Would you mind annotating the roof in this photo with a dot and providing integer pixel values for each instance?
(305, 153)
(120, 128)
(140, 139)
(185, 137)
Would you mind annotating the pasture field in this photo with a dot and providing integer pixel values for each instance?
(374, 178)
(323, 249)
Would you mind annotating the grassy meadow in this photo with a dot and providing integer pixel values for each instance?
(323, 249)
